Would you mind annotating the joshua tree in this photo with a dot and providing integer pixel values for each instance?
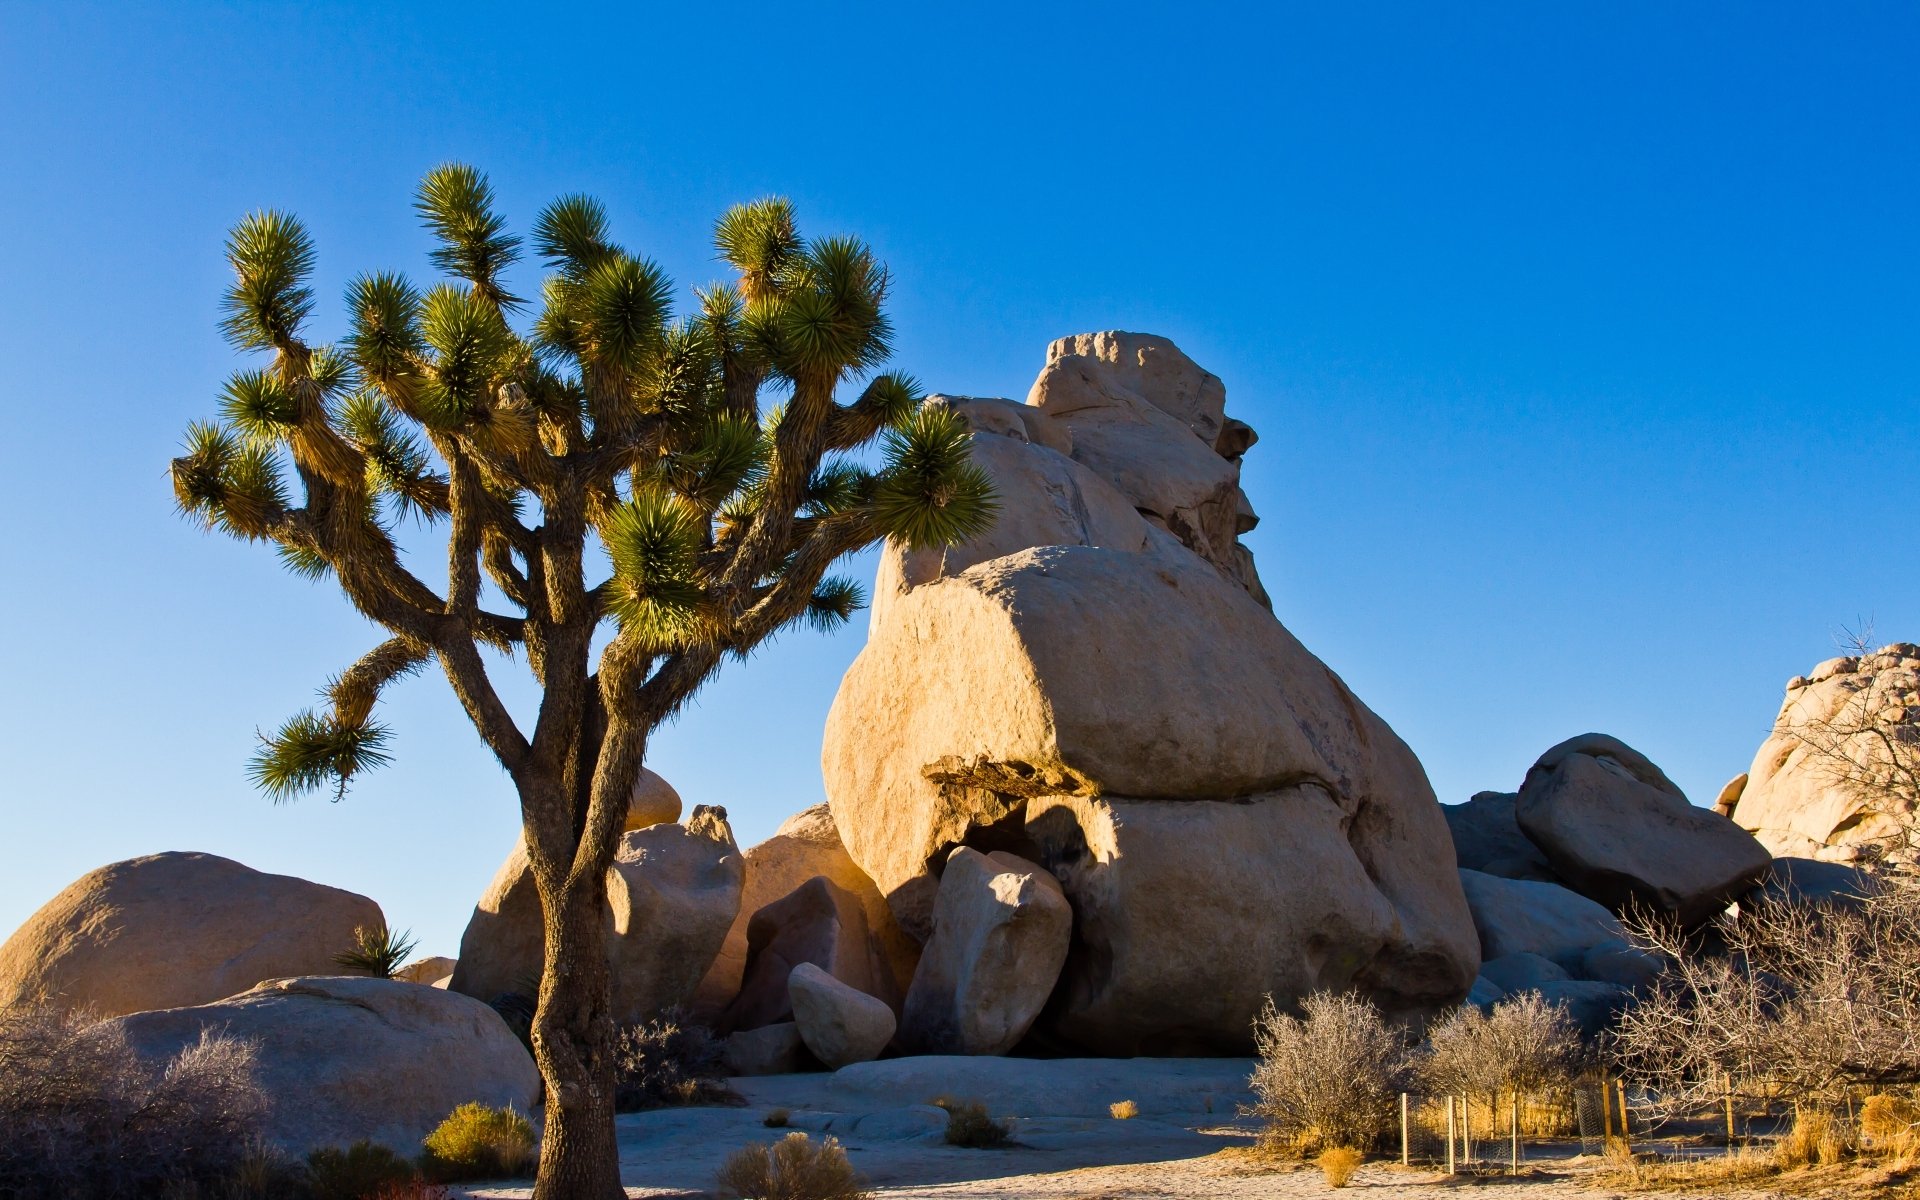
(603, 426)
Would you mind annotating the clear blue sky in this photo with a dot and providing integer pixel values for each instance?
(1583, 342)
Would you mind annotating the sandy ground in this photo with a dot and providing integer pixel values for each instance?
(1067, 1147)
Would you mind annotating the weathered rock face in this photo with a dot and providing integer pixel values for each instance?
(1001, 927)
(435, 969)
(820, 924)
(350, 1058)
(768, 1050)
(652, 802)
(840, 1025)
(1487, 838)
(1522, 972)
(175, 929)
(1112, 701)
(1516, 916)
(1811, 792)
(1618, 832)
(673, 891)
(806, 846)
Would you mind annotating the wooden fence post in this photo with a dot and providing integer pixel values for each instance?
(1406, 1158)
(1450, 1133)
(1626, 1136)
(1513, 1128)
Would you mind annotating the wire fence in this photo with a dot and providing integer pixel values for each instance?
(1502, 1133)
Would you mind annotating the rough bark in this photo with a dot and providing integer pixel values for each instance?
(573, 1045)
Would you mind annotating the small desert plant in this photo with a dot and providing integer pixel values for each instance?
(1327, 1077)
(970, 1125)
(377, 950)
(1816, 1139)
(86, 1118)
(477, 1142)
(357, 1172)
(1338, 1163)
(1524, 1044)
(1123, 1110)
(793, 1168)
(668, 1061)
(1891, 1125)
(776, 1118)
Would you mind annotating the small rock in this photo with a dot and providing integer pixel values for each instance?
(768, 1050)
(434, 971)
(839, 1024)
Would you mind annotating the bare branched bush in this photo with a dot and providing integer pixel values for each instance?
(1868, 749)
(1329, 1077)
(1805, 1001)
(793, 1168)
(1523, 1045)
(667, 1062)
(86, 1118)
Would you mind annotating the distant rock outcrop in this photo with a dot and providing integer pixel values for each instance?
(176, 929)
(1817, 786)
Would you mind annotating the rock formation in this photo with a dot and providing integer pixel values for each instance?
(1001, 928)
(673, 891)
(1096, 685)
(819, 924)
(805, 847)
(840, 1025)
(1836, 777)
(348, 1058)
(176, 929)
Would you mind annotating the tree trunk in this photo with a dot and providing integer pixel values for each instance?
(573, 1044)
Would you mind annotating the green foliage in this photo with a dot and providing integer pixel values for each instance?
(834, 602)
(971, 1126)
(654, 541)
(476, 1142)
(456, 203)
(931, 492)
(377, 950)
(312, 750)
(271, 255)
(360, 1171)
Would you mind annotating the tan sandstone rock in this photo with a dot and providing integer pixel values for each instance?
(1001, 928)
(433, 970)
(840, 1025)
(1812, 790)
(348, 1058)
(819, 924)
(1127, 713)
(652, 802)
(176, 929)
(807, 845)
(673, 890)
(1615, 835)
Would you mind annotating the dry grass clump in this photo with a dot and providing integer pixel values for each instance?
(86, 1118)
(1816, 1139)
(776, 1118)
(1651, 1173)
(1338, 1163)
(793, 1168)
(477, 1142)
(970, 1125)
(1890, 1125)
(1123, 1110)
(1329, 1077)
(669, 1062)
(357, 1172)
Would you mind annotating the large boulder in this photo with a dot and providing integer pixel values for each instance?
(1619, 832)
(672, 893)
(819, 924)
(840, 1025)
(806, 846)
(1817, 881)
(347, 1058)
(1518, 916)
(1818, 786)
(1113, 702)
(1487, 838)
(176, 929)
(653, 801)
(1001, 928)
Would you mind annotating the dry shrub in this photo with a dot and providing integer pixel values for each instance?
(1650, 1173)
(669, 1062)
(1816, 1139)
(1891, 1125)
(1124, 1110)
(793, 1168)
(477, 1142)
(86, 1118)
(776, 1118)
(970, 1125)
(357, 1172)
(1328, 1077)
(1524, 1044)
(1338, 1163)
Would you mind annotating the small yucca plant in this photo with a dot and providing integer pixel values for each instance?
(377, 950)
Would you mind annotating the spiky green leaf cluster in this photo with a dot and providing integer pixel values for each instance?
(931, 492)
(312, 751)
(272, 256)
(654, 542)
